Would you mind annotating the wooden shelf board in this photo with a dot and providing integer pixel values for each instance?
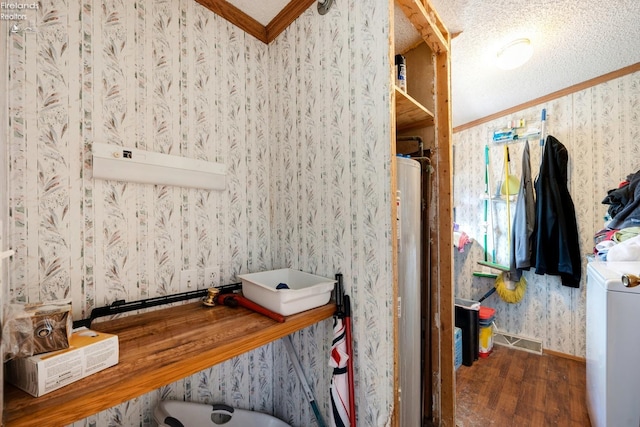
(410, 114)
(156, 348)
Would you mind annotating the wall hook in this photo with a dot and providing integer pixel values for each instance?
(324, 6)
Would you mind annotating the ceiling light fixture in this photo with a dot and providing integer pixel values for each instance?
(514, 54)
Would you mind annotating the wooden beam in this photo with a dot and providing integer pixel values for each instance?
(290, 13)
(435, 18)
(395, 416)
(393, 93)
(444, 245)
(237, 17)
(267, 33)
(427, 23)
(550, 97)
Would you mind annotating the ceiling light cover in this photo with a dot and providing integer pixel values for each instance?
(514, 54)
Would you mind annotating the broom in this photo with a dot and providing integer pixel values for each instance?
(509, 291)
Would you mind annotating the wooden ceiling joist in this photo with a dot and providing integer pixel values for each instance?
(236, 17)
(290, 13)
(427, 22)
(267, 33)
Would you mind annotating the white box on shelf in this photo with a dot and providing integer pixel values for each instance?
(305, 291)
(89, 352)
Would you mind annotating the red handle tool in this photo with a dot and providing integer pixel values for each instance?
(233, 300)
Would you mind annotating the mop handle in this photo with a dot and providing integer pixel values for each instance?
(490, 205)
(486, 169)
(506, 174)
(543, 131)
(543, 126)
(305, 386)
(486, 201)
(350, 371)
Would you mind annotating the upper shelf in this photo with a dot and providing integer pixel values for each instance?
(410, 114)
(156, 348)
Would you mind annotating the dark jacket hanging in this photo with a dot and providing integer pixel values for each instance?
(555, 243)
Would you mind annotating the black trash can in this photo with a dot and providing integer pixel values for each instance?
(467, 319)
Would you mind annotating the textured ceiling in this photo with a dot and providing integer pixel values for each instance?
(573, 40)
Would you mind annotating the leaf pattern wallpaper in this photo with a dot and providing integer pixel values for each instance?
(333, 154)
(302, 127)
(599, 127)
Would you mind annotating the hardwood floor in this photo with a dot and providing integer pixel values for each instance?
(516, 388)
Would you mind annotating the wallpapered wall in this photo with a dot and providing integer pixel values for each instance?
(302, 128)
(600, 128)
(331, 179)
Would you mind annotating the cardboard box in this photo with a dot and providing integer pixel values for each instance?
(89, 352)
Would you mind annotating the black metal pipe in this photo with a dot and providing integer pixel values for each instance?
(121, 306)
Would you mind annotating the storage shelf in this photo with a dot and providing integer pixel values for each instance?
(410, 114)
(516, 134)
(518, 138)
(156, 348)
(429, 71)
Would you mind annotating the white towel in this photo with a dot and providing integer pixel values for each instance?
(629, 250)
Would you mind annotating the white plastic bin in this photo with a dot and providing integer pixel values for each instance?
(174, 413)
(305, 291)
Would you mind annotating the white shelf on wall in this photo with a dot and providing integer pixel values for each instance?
(524, 129)
(518, 138)
(130, 164)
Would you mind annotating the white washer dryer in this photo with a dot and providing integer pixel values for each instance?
(613, 345)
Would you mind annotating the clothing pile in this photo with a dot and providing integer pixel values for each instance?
(619, 240)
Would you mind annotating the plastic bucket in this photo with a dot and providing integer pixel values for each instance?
(486, 317)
